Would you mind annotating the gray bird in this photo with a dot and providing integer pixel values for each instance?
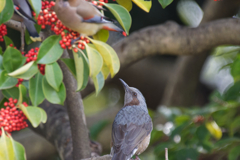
(132, 126)
(23, 13)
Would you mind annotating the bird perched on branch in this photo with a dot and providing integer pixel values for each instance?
(82, 17)
(23, 13)
(132, 126)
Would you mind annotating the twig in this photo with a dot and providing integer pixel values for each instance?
(166, 154)
(23, 27)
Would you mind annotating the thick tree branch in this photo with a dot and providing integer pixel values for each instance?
(81, 147)
(182, 85)
(171, 38)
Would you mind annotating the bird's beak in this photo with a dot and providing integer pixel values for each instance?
(126, 87)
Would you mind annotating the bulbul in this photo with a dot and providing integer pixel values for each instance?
(132, 126)
(82, 17)
(23, 13)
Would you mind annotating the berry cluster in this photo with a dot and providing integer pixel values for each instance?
(32, 56)
(48, 17)
(20, 80)
(11, 118)
(3, 31)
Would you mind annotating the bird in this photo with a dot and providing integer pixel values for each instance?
(132, 126)
(82, 17)
(23, 13)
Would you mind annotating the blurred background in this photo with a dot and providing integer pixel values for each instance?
(202, 129)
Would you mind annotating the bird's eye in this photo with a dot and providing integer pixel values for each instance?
(134, 93)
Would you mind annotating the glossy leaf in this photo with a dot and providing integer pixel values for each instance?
(29, 73)
(98, 82)
(22, 93)
(121, 14)
(109, 56)
(12, 59)
(126, 4)
(82, 70)
(12, 92)
(234, 153)
(2, 5)
(235, 69)
(7, 12)
(19, 150)
(105, 71)
(187, 153)
(34, 114)
(53, 96)
(95, 61)
(143, 4)
(70, 64)
(36, 5)
(43, 115)
(6, 81)
(7, 41)
(235, 125)
(102, 35)
(35, 89)
(165, 3)
(54, 75)
(214, 129)
(50, 50)
(21, 70)
(6, 151)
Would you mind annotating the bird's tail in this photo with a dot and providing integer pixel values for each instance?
(32, 30)
(112, 27)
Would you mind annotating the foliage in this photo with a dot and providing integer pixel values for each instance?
(213, 128)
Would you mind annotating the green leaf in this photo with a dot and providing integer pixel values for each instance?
(12, 59)
(102, 35)
(70, 64)
(44, 115)
(98, 82)
(21, 70)
(6, 151)
(234, 153)
(34, 114)
(109, 56)
(126, 4)
(165, 3)
(53, 96)
(19, 150)
(121, 14)
(8, 41)
(234, 126)
(12, 92)
(7, 12)
(187, 153)
(50, 50)
(6, 81)
(54, 75)
(1, 52)
(82, 70)
(29, 73)
(105, 71)
(143, 4)
(2, 5)
(35, 89)
(22, 93)
(95, 61)
(235, 69)
(36, 5)
(233, 92)
(97, 128)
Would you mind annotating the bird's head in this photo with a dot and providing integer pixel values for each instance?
(133, 96)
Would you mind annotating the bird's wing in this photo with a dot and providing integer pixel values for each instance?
(127, 137)
(23, 9)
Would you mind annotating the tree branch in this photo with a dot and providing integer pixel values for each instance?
(105, 157)
(182, 85)
(81, 147)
